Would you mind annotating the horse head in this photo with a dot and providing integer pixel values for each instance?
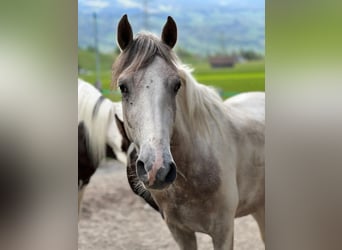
(146, 74)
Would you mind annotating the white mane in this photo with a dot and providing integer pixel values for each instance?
(201, 106)
(97, 126)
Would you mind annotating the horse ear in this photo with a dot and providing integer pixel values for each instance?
(169, 34)
(125, 141)
(124, 33)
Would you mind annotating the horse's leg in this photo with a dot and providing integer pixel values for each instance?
(223, 233)
(186, 240)
(259, 216)
(223, 239)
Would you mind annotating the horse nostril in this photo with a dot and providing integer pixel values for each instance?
(141, 168)
(171, 175)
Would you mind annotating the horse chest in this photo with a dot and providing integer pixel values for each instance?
(187, 211)
(191, 200)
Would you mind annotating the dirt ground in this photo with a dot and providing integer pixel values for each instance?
(113, 218)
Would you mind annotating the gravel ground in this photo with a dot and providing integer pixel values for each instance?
(113, 218)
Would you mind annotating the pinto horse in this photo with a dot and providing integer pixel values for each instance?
(101, 135)
(201, 159)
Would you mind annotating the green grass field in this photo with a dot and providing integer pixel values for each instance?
(248, 76)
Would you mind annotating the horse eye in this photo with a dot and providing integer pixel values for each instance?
(177, 86)
(123, 88)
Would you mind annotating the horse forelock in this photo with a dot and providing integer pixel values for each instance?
(140, 54)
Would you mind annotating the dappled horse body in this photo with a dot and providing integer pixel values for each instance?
(100, 135)
(201, 159)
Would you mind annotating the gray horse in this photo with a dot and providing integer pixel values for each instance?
(201, 159)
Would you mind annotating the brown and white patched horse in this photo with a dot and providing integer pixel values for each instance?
(101, 135)
(202, 159)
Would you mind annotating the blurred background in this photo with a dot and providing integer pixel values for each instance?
(224, 41)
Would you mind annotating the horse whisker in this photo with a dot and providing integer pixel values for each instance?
(181, 174)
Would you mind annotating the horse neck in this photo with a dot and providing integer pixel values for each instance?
(191, 151)
(201, 114)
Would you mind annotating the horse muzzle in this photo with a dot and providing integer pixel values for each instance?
(154, 176)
